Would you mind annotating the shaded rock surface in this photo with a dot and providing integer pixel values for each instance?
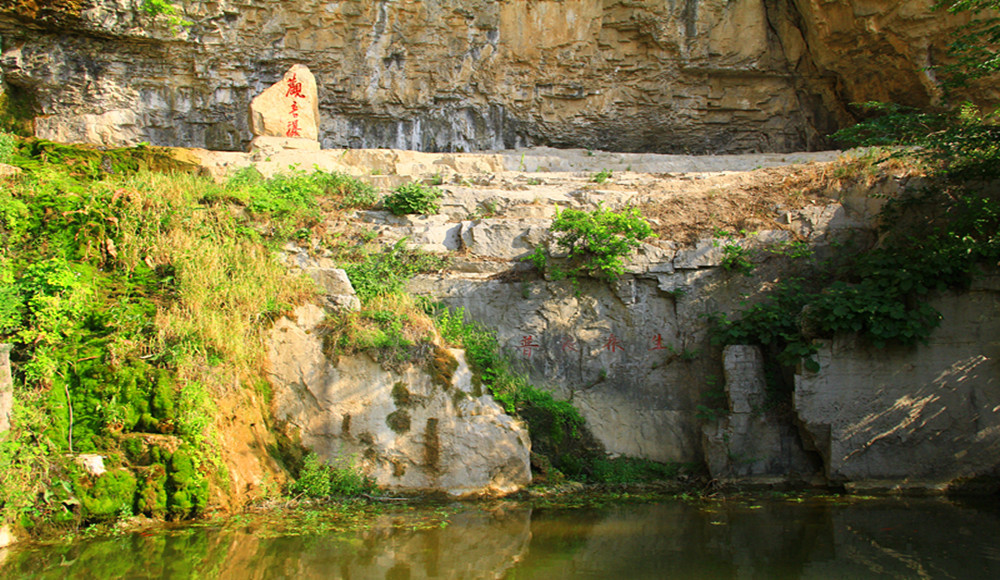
(404, 428)
(461, 75)
(922, 416)
(747, 440)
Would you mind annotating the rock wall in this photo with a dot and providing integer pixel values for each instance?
(462, 75)
(920, 417)
(748, 441)
(406, 428)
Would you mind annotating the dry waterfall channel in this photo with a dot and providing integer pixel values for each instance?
(634, 356)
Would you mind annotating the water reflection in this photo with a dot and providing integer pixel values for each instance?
(815, 538)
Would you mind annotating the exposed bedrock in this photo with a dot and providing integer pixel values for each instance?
(461, 75)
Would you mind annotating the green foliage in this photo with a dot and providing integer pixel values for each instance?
(413, 198)
(601, 176)
(451, 325)
(8, 147)
(880, 294)
(290, 202)
(963, 143)
(25, 460)
(632, 470)
(597, 241)
(318, 479)
(736, 258)
(557, 428)
(974, 47)
(131, 299)
(166, 9)
(386, 271)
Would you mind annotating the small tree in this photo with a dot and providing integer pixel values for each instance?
(597, 241)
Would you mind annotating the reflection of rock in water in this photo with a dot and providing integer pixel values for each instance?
(475, 544)
(816, 538)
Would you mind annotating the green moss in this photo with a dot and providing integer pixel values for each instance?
(432, 445)
(441, 367)
(401, 395)
(187, 487)
(108, 495)
(17, 111)
(151, 499)
(398, 421)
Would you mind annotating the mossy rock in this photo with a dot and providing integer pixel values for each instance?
(107, 495)
(151, 498)
(441, 367)
(187, 487)
(398, 421)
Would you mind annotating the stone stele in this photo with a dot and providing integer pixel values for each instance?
(288, 108)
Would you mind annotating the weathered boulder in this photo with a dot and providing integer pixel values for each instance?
(288, 108)
(408, 429)
(336, 287)
(921, 416)
(9, 170)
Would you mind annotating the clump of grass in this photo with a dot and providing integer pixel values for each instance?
(390, 326)
(413, 198)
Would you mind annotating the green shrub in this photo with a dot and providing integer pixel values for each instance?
(601, 176)
(880, 294)
(736, 258)
(413, 198)
(597, 241)
(318, 479)
(387, 270)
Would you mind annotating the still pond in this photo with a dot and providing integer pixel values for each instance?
(764, 536)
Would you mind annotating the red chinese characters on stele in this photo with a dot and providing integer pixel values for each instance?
(295, 92)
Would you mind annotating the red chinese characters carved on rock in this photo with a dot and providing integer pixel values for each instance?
(294, 88)
(295, 92)
(613, 344)
(658, 343)
(527, 345)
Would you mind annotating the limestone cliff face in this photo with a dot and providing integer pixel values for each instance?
(435, 75)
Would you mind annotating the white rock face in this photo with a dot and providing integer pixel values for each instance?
(920, 416)
(405, 430)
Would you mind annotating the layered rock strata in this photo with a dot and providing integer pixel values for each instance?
(460, 75)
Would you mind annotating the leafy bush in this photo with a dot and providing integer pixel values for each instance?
(880, 294)
(413, 198)
(597, 241)
(387, 270)
(318, 479)
(736, 258)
